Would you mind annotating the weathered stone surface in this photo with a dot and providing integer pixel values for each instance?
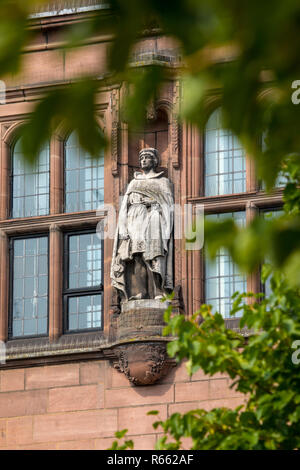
(143, 363)
(134, 305)
(142, 261)
(141, 318)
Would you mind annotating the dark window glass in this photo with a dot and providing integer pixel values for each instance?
(30, 184)
(225, 162)
(222, 276)
(83, 282)
(29, 303)
(84, 178)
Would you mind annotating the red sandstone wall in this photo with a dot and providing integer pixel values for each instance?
(80, 406)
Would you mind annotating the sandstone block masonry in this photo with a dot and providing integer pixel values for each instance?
(80, 406)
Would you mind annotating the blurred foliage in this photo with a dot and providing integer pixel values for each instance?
(261, 39)
(72, 107)
(263, 367)
(122, 443)
(14, 34)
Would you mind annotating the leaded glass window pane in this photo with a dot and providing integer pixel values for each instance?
(84, 178)
(84, 261)
(30, 287)
(222, 276)
(30, 184)
(85, 312)
(225, 162)
(83, 293)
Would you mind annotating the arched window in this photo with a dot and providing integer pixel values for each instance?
(30, 183)
(225, 162)
(84, 177)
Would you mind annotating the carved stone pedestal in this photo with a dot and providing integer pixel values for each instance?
(140, 347)
(141, 318)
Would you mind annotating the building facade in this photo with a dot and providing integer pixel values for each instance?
(60, 384)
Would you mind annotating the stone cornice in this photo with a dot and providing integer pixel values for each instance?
(258, 199)
(42, 223)
(29, 93)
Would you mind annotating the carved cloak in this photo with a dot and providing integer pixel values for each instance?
(145, 226)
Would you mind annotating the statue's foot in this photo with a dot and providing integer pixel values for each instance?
(136, 297)
(159, 297)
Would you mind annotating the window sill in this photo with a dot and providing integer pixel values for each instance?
(234, 324)
(237, 201)
(27, 352)
(33, 224)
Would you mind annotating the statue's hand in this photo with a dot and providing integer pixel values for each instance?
(156, 207)
(147, 201)
(124, 236)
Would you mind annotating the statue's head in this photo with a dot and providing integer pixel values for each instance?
(148, 158)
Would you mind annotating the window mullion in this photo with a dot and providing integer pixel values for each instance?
(55, 282)
(253, 279)
(56, 175)
(251, 181)
(5, 179)
(4, 285)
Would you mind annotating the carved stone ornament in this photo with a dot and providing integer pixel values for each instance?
(151, 111)
(143, 363)
(175, 127)
(115, 99)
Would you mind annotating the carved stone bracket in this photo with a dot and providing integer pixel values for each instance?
(143, 363)
(139, 345)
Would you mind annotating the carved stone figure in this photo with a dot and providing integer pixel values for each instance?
(142, 262)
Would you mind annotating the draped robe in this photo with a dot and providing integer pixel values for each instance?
(145, 227)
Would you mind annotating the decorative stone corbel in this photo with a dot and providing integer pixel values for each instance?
(143, 363)
(140, 347)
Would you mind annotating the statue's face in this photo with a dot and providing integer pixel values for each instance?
(147, 161)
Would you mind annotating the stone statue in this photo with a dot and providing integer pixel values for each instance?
(142, 261)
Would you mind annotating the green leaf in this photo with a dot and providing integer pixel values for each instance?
(61, 106)
(120, 434)
(144, 85)
(173, 348)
